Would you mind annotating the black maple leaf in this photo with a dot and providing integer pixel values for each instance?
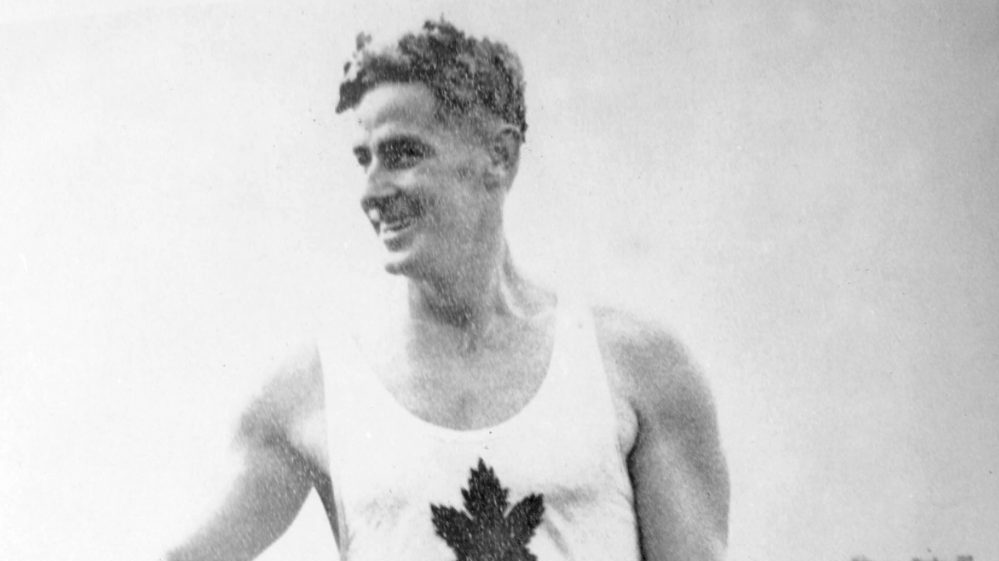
(485, 531)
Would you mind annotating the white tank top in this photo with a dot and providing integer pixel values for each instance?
(550, 483)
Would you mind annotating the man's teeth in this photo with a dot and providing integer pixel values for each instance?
(396, 223)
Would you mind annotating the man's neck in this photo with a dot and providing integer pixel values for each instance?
(471, 298)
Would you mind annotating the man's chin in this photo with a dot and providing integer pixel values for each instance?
(400, 264)
(394, 268)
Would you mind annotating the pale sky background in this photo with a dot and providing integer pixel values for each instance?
(805, 192)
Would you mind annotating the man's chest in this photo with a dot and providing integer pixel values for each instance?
(446, 382)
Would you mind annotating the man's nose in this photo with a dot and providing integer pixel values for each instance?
(379, 184)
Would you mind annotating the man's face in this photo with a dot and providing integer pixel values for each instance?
(425, 192)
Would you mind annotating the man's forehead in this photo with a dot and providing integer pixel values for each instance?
(406, 109)
(396, 105)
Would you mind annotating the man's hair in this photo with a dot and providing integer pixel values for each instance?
(463, 72)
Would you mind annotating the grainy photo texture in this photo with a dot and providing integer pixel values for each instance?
(448, 281)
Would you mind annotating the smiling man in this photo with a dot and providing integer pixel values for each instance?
(479, 416)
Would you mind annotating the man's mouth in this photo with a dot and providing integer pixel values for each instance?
(394, 218)
(396, 224)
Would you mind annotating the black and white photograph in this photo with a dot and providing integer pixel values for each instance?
(499, 281)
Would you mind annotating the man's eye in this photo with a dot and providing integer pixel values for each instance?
(402, 155)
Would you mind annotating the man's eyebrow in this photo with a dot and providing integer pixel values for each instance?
(391, 143)
(402, 138)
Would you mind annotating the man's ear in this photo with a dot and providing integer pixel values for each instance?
(504, 152)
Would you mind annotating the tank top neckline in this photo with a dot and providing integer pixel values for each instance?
(555, 370)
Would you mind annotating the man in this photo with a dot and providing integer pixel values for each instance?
(478, 416)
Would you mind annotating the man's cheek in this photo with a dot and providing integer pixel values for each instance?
(467, 171)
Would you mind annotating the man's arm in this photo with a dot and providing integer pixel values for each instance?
(272, 480)
(676, 465)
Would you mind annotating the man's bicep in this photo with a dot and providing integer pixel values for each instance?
(263, 498)
(268, 484)
(681, 506)
(685, 426)
(676, 465)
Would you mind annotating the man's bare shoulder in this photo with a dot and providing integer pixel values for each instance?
(652, 368)
(677, 461)
(292, 391)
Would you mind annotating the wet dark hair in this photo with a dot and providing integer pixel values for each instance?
(463, 72)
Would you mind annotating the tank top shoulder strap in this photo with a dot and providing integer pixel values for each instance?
(580, 333)
(336, 352)
(583, 357)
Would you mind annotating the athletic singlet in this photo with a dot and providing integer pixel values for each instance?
(550, 483)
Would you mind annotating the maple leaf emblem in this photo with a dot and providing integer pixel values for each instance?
(485, 531)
